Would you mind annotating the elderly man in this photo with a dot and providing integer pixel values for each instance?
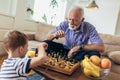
(77, 32)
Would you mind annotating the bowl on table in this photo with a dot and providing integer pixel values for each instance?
(103, 73)
(95, 68)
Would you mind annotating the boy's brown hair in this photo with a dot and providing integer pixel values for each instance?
(14, 39)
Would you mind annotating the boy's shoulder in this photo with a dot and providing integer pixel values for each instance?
(16, 60)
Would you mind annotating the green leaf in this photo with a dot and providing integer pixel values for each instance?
(54, 4)
(44, 18)
(32, 12)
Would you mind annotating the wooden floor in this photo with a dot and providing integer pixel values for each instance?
(2, 58)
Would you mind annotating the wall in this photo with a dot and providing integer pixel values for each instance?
(69, 3)
(14, 19)
(6, 23)
(105, 17)
(117, 31)
(8, 6)
(12, 8)
(4, 6)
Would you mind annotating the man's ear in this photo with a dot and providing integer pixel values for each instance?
(83, 19)
(66, 18)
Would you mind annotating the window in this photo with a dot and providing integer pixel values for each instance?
(49, 11)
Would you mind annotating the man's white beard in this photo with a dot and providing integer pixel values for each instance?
(73, 27)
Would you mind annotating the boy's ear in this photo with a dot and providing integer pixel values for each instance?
(20, 49)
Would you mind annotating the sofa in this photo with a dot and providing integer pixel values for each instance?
(111, 42)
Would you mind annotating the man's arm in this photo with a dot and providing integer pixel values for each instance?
(95, 39)
(51, 36)
(58, 31)
(95, 47)
(57, 34)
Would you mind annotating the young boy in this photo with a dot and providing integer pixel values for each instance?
(17, 65)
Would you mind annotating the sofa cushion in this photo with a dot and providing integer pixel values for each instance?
(109, 48)
(33, 44)
(110, 39)
(115, 68)
(30, 36)
(42, 31)
(114, 56)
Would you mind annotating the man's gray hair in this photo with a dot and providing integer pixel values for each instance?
(77, 8)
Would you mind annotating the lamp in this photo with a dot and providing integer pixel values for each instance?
(92, 5)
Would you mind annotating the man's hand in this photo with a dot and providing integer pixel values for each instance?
(59, 34)
(73, 50)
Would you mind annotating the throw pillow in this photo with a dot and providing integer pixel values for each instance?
(115, 56)
(42, 31)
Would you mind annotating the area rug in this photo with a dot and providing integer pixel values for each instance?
(36, 76)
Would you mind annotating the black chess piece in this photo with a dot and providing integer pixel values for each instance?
(66, 58)
(57, 56)
(36, 50)
(51, 53)
(61, 54)
(70, 59)
(74, 61)
(63, 57)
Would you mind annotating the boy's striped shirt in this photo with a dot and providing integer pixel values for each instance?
(15, 69)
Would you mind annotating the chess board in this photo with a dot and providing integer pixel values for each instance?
(61, 64)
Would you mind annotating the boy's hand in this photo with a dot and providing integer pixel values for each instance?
(42, 57)
(43, 44)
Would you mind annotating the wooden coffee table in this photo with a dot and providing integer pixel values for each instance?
(77, 75)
